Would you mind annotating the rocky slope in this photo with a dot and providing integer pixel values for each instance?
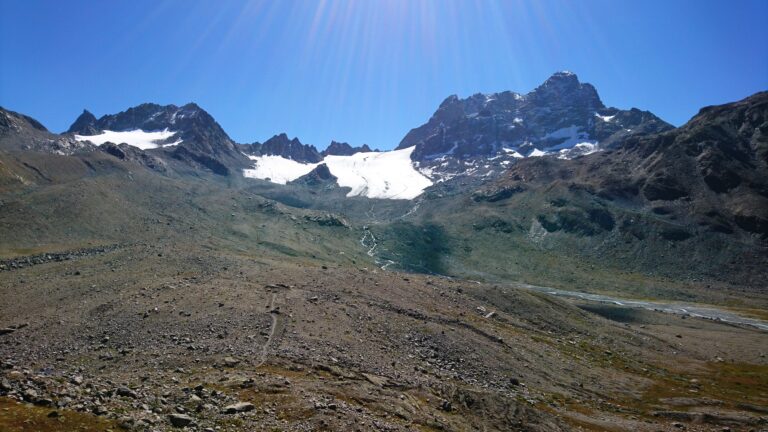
(21, 132)
(713, 170)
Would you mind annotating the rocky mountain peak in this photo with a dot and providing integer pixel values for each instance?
(343, 149)
(566, 78)
(86, 122)
(559, 115)
(281, 145)
(565, 89)
(202, 141)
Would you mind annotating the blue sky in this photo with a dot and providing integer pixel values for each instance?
(368, 71)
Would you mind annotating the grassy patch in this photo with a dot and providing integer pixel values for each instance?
(21, 417)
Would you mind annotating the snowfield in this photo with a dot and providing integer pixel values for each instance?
(384, 175)
(277, 169)
(137, 138)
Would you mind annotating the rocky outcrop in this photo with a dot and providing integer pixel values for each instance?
(85, 124)
(21, 132)
(343, 149)
(320, 175)
(281, 145)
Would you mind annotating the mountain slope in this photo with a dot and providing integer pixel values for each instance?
(21, 132)
(682, 212)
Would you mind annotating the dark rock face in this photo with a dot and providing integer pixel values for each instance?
(663, 187)
(85, 124)
(498, 194)
(133, 154)
(204, 142)
(318, 176)
(343, 149)
(556, 115)
(281, 145)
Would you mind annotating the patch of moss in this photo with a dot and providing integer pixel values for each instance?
(21, 417)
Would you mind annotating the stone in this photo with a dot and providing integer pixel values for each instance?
(126, 392)
(238, 408)
(231, 362)
(446, 406)
(44, 402)
(180, 420)
(30, 395)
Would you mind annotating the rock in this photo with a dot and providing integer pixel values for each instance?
(375, 379)
(44, 402)
(99, 410)
(29, 395)
(15, 375)
(126, 423)
(238, 408)
(180, 420)
(231, 362)
(126, 392)
(6, 330)
(76, 380)
(446, 405)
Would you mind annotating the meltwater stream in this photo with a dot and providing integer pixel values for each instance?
(678, 308)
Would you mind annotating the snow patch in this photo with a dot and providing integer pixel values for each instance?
(605, 118)
(387, 175)
(137, 138)
(384, 175)
(579, 149)
(572, 136)
(514, 153)
(277, 169)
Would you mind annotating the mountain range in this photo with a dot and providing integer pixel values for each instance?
(510, 265)
(551, 169)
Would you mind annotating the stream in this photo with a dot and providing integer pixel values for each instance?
(706, 312)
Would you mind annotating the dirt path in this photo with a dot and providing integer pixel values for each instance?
(275, 316)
